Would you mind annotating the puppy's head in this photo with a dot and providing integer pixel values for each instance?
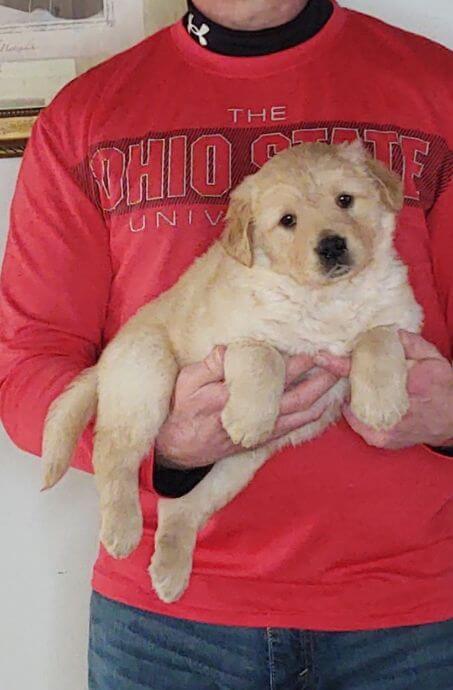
(315, 212)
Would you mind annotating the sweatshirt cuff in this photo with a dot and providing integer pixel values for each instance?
(442, 450)
(174, 483)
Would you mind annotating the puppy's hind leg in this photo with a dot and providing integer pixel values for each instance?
(136, 381)
(255, 376)
(180, 519)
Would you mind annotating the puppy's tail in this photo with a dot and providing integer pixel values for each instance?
(66, 419)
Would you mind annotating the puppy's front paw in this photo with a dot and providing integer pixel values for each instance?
(249, 426)
(121, 529)
(170, 567)
(381, 407)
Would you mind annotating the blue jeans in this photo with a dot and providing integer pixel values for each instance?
(135, 650)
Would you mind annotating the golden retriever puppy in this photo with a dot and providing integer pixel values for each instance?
(306, 263)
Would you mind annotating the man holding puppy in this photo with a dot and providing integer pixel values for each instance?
(334, 568)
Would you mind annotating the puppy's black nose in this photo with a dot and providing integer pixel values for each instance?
(332, 250)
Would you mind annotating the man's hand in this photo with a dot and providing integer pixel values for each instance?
(193, 436)
(430, 387)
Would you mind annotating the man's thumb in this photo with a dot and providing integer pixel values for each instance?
(209, 370)
(214, 365)
(416, 347)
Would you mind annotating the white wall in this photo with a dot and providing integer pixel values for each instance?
(48, 541)
(432, 18)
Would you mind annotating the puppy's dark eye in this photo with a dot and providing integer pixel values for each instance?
(345, 200)
(288, 220)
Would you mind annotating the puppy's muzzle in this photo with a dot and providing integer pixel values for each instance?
(334, 255)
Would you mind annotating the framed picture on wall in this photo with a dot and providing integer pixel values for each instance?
(44, 44)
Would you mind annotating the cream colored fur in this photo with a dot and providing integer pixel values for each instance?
(262, 292)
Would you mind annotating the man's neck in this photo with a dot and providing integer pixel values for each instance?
(251, 15)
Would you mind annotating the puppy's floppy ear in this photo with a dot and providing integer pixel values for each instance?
(391, 185)
(237, 236)
(353, 151)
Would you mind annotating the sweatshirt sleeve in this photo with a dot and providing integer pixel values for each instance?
(54, 285)
(440, 222)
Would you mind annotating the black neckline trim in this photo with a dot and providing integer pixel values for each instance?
(232, 42)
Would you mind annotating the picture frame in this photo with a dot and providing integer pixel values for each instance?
(44, 44)
(15, 129)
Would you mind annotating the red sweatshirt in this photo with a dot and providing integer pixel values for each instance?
(125, 181)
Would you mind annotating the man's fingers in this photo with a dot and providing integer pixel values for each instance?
(340, 366)
(210, 370)
(287, 423)
(305, 394)
(416, 347)
(211, 398)
(378, 439)
(296, 366)
(353, 422)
